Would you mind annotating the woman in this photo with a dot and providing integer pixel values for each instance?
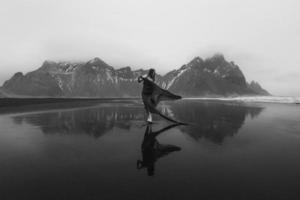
(152, 94)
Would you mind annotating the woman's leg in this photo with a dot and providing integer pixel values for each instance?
(146, 101)
(149, 119)
(148, 113)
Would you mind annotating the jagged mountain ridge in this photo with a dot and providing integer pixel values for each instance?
(210, 77)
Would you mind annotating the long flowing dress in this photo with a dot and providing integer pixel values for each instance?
(152, 94)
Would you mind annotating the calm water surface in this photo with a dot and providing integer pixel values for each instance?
(106, 151)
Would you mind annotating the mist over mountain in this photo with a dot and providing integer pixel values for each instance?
(200, 77)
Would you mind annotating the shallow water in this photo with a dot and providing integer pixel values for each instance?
(229, 150)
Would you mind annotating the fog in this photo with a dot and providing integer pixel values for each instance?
(261, 36)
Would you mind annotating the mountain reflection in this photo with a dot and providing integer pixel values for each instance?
(212, 121)
(94, 122)
(152, 150)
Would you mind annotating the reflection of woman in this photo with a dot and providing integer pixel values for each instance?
(152, 150)
(152, 94)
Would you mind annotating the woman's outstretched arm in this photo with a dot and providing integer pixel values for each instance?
(140, 79)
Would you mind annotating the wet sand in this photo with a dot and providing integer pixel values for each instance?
(104, 150)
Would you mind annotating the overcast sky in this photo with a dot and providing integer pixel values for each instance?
(261, 36)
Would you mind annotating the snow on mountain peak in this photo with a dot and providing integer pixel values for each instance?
(177, 74)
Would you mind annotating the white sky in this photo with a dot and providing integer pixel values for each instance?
(261, 36)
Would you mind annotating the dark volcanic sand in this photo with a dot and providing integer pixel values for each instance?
(229, 151)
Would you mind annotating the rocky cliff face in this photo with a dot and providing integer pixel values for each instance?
(210, 77)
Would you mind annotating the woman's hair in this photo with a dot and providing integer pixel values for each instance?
(151, 74)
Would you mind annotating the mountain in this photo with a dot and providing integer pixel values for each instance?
(1, 94)
(210, 77)
(255, 86)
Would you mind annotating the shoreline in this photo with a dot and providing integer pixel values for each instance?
(25, 101)
(8, 102)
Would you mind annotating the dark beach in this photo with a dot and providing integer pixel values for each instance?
(92, 149)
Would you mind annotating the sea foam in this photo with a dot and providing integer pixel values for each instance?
(261, 99)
